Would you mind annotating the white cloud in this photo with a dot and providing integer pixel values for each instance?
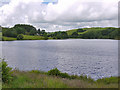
(66, 14)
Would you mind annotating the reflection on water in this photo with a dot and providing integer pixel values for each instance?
(95, 58)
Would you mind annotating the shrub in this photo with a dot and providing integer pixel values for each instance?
(64, 75)
(20, 37)
(108, 80)
(37, 72)
(54, 72)
(6, 72)
(74, 76)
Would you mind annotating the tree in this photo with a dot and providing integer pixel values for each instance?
(42, 32)
(39, 31)
(6, 72)
(20, 37)
(32, 32)
(45, 36)
(10, 32)
(80, 30)
(20, 30)
(74, 35)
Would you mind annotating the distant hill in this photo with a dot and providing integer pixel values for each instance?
(21, 30)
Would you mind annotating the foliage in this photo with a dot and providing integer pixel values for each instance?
(108, 80)
(9, 32)
(74, 35)
(59, 35)
(64, 75)
(37, 72)
(20, 37)
(45, 36)
(55, 72)
(106, 33)
(85, 33)
(19, 29)
(80, 30)
(38, 79)
(6, 72)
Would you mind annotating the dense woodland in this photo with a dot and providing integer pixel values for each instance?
(22, 32)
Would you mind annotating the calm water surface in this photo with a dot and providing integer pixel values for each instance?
(95, 58)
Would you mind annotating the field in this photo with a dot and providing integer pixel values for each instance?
(28, 37)
(31, 79)
(8, 38)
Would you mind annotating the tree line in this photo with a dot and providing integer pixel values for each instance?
(93, 33)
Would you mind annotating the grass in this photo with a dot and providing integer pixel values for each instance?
(37, 79)
(8, 38)
(28, 37)
(0, 36)
(69, 32)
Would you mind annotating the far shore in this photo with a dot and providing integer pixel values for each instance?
(14, 39)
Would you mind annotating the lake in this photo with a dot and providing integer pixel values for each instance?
(96, 58)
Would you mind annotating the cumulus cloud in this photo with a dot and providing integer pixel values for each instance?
(66, 14)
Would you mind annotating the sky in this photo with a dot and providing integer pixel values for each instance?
(55, 15)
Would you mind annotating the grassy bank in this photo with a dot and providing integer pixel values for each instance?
(51, 79)
(37, 79)
(26, 37)
(8, 38)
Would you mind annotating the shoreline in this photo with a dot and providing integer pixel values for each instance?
(39, 79)
(59, 39)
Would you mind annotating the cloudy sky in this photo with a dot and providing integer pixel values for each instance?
(54, 15)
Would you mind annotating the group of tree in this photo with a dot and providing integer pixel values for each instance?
(108, 33)
(21, 29)
(58, 35)
(93, 33)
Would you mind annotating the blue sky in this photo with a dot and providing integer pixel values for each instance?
(50, 1)
(3, 2)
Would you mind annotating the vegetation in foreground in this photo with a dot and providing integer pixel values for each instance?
(29, 32)
(51, 79)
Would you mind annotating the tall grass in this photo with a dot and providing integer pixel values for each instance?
(52, 79)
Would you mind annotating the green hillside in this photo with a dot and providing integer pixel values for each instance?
(29, 32)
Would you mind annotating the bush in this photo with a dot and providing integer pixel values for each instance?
(37, 72)
(6, 72)
(74, 76)
(108, 80)
(20, 37)
(54, 72)
(64, 75)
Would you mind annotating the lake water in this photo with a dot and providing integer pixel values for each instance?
(95, 58)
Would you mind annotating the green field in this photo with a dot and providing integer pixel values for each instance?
(69, 32)
(8, 38)
(28, 37)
